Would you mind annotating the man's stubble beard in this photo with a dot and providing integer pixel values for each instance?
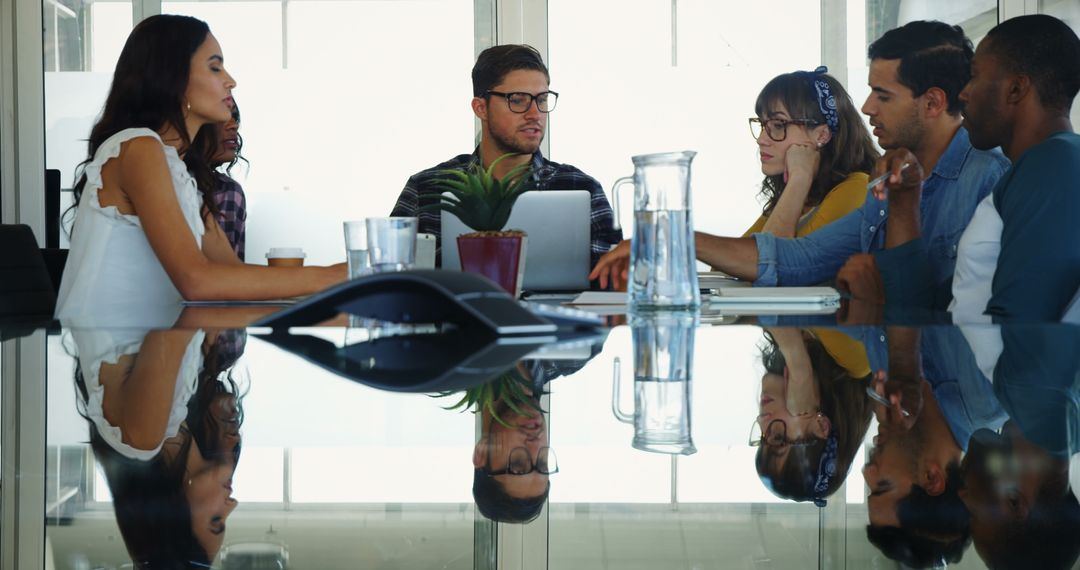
(909, 135)
(507, 144)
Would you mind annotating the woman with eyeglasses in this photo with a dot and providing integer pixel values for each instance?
(813, 412)
(815, 153)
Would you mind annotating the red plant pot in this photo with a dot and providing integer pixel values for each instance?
(499, 258)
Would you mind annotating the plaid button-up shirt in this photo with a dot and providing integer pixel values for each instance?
(546, 175)
(232, 211)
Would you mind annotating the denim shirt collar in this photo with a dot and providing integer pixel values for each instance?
(952, 160)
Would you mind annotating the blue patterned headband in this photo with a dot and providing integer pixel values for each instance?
(825, 99)
(826, 470)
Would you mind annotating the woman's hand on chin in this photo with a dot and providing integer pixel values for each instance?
(801, 162)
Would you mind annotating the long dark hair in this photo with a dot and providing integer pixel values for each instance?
(843, 401)
(152, 511)
(148, 89)
(850, 150)
(238, 157)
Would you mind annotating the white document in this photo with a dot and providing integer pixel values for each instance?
(600, 298)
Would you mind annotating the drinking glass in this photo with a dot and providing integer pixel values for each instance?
(356, 250)
(391, 243)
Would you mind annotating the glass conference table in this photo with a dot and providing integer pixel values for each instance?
(671, 441)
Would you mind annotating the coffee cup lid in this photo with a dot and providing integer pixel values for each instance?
(285, 252)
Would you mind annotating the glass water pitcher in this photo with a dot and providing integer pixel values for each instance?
(663, 264)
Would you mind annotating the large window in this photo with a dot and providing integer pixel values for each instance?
(975, 17)
(663, 76)
(1069, 12)
(340, 103)
(82, 42)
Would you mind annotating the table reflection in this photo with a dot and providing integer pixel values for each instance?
(960, 468)
(164, 417)
(969, 433)
(814, 411)
(663, 346)
(1016, 483)
(512, 460)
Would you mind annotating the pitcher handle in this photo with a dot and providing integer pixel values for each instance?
(616, 210)
(615, 391)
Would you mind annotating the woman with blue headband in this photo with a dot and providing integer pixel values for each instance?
(815, 153)
(813, 411)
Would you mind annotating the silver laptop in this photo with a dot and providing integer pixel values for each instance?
(557, 222)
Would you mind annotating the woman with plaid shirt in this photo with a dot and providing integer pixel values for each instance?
(231, 203)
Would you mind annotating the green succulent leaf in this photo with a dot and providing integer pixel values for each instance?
(510, 388)
(481, 201)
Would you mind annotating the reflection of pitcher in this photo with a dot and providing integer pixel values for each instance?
(663, 359)
(662, 262)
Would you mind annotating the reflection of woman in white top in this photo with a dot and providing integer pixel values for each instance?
(164, 427)
(144, 227)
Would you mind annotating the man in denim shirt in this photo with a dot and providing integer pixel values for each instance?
(916, 74)
(915, 511)
(1020, 255)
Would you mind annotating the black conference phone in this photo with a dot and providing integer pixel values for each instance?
(431, 296)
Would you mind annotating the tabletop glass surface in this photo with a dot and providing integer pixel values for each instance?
(661, 441)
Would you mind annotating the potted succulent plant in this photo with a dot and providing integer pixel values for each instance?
(483, 203)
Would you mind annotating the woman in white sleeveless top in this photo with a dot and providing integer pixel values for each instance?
(144, 229)
(163, 415)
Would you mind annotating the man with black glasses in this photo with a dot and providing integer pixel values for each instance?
(512, 99)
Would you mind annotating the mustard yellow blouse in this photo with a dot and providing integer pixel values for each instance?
(849, 353)
(843, 198)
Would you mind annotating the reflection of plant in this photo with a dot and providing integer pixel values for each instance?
(477, 198)
(510, 388)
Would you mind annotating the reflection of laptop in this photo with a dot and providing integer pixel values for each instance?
(557, 222)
